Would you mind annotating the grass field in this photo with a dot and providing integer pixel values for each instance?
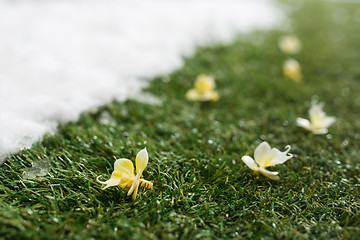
(202, 189)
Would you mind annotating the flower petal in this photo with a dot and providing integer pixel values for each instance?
(249, 161)
(214, 96)
(134, 183)
(320, 131)
(304, 123)
(316, 112)
(142, 159)
(204, 83)
(114, 181)
(192, 95)
(135, 192)
(277, 157)
(327, 121)
(262, 152)
(125, 166)
(268, 174)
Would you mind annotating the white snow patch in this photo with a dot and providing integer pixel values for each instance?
(61, 57)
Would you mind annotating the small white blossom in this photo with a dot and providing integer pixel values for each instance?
(203, 89)
(319, 122)
(292, 70)
(290, 44)
(265, 156)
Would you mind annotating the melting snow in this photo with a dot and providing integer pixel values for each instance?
(61, 57)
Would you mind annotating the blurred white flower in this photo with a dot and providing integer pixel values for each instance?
(292, 70)
(123, 174)
(290, 44)
(266, 157)
(319, 122)
(203, 89)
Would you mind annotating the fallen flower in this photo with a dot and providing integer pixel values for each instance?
(203, 89)
(290, 44)
(123, 174)
(292, 70)
(319, 122)
(266, 157)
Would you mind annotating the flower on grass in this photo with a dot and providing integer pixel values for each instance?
(123, 174)
(289, 44)
(265, 156)
(203, 89)
(319, 122)
(292, 70)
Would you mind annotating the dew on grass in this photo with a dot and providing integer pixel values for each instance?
(285, 123)
(233, 161)
(210, 141)
(263, 137)
(329, 136)
(345, 143)
(39, 168)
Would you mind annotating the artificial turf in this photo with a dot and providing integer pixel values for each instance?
(202, 189)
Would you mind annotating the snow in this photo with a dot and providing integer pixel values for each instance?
(59, 58)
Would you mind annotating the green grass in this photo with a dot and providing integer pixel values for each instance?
(202, 189)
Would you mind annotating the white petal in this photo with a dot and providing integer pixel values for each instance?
(134, 184)
(209, 96)
(262, 152)
(327, 121)
(249, 162)
(135, 192)
(109, 183)
(142, 159)
(278, 157)
(320, 131)
(316, 111)
(304, 123)
(268, 174)
(192, 95)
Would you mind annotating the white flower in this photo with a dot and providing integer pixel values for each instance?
(290, 44)
(319, 122)
(123, 174)
(266, 157)
(203, 89)
(292, 70)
